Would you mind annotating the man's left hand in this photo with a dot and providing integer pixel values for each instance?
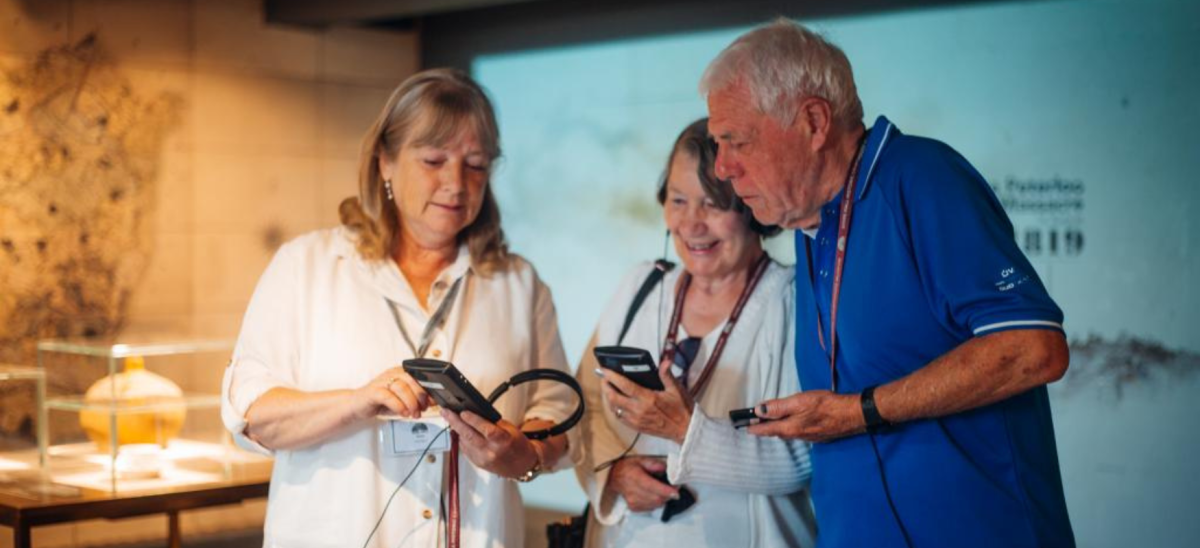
(815, 416)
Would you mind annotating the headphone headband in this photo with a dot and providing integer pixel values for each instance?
(553, 375)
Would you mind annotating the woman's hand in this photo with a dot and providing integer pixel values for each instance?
(665, 413)
(392, 391)
(633, 478)
(499, 448)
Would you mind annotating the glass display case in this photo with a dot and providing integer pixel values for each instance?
(22, 437)
(136, 415)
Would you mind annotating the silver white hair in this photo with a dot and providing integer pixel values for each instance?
(781, 62)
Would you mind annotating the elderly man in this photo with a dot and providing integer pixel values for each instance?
(924, 337)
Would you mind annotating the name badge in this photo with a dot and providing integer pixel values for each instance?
(409, 437)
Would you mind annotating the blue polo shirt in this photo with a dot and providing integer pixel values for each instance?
(931, 262)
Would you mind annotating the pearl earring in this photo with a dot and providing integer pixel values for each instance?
(387, 188)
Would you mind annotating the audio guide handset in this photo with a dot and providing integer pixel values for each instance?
(635, 364)
(742, 418)
(451, 390)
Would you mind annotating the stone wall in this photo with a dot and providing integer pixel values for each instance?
(153, 155)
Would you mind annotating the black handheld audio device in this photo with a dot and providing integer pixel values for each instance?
(451, 390)
(635, 364)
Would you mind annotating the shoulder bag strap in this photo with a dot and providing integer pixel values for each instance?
(661, 267)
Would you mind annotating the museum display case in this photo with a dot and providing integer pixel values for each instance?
(22, 440)
(135, 415)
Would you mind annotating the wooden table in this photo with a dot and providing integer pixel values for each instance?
(25, 510)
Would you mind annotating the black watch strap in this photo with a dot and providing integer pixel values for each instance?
(875, 421)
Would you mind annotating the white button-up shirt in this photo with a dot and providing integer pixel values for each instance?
(319, 321)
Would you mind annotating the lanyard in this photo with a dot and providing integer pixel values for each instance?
(436, 321)
(843, 240)
(669, 348)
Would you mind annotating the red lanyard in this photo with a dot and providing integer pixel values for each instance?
(436, 322)
(453, 524)
(756, 274)
(843, 240)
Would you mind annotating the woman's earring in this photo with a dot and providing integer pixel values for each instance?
(387, 188)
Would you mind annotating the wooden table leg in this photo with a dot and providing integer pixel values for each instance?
(22, 535)
(174, 539)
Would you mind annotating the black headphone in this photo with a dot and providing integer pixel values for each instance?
(544, 375)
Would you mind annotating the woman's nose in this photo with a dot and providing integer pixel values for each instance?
(452, 176)
(693, 220)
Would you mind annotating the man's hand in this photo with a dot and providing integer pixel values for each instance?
(499, 448)
(631, 478)
(664, 413)
(815, 416)
(978, 372)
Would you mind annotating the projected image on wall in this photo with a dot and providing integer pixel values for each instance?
(1074, 111)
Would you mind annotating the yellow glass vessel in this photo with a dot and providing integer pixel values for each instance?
(149, 408)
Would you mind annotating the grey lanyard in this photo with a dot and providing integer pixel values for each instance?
(435, 321)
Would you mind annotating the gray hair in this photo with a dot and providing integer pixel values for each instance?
(783, 61)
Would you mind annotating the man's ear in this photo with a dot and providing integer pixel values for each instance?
(814, 119)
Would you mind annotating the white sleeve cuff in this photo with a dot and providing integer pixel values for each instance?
(235, 404)
(609, 507)
(715, 453)
(678, 461)
(1016, 324)
(564, 462)
(552, 414)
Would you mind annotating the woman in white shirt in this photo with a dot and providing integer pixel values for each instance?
(419, 268)
(748, 490)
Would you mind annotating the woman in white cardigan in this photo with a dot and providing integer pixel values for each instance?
(748, 490)
(419, 268)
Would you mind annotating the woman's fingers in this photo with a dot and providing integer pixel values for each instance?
(623, 385)
(401, 390)
(398, 380)
(642, 492)
(423, 399)
(393, 390)
(661, 490)
(617, 400)
(489, 431)
(664, 413)
(645, 502)
(499, 448)
(652, 466)
(389, 400)
(466, 433)
(670, 383)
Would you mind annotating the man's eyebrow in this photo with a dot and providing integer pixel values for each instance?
(724, 136)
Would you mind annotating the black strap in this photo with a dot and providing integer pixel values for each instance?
(572, 533)
(661, 268)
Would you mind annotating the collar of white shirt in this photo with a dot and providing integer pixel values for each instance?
(384, 276)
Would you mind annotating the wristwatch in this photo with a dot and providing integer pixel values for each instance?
(875, 421)
(536, 470)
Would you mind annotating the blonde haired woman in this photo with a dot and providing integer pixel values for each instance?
(418, 268)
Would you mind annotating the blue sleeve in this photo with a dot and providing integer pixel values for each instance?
(974, 275)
